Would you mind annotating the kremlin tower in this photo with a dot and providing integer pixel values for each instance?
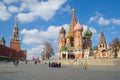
(15, 42)
(14, 51)
(2, 41)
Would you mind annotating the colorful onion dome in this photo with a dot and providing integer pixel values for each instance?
(87, 32)
(68, 36)
(62, 30)
(78, 26)
(64, 48)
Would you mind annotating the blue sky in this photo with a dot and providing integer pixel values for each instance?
(41, 20)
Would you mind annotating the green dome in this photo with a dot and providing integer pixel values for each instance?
(64, 48)
(68, 36)
(87, 32)
(62, 30)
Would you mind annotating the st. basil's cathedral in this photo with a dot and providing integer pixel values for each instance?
(76, 44)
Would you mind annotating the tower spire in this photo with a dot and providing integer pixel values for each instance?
(102, 37)
(102, 43)
(73, 12)
(102, 46)
(16, 23)
(15, 42)
(73, 22)
(15, 35)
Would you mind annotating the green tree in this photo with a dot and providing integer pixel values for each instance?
(115, 46)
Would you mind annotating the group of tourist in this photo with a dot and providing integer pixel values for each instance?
(54, 64)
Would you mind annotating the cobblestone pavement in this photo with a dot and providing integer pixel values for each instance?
(42, 72)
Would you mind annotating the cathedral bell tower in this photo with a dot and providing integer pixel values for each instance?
(102, 47)
(102, 43)
(72, 25)
(15, 42)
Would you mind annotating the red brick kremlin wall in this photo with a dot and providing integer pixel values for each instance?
(8, 52)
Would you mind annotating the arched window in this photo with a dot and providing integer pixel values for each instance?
(103, 45)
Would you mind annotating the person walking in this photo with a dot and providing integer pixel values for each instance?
(85, 65)
(16, 62)
(35, 62)
(25, 61)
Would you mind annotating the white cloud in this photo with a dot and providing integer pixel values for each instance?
(45, 10)
(23, 6)
(94, 18)
(115, 21)
(4, 14)
(13, 9)
(29, 10)
(31, 36)
(26, 17)
(34, 52)
(9, 1)
(66, 9)
(35, 36)
(103, 21)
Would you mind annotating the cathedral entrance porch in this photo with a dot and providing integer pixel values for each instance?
(64, 55)
(71, 56)
(67, 55)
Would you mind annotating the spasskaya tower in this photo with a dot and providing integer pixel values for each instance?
(15, 42)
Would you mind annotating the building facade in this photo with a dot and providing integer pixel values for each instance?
(102, 51)
(14, 51)
(74, 45)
